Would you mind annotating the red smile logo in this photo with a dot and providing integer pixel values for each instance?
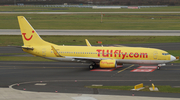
(24, 34)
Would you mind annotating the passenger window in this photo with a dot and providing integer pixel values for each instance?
(165, 53)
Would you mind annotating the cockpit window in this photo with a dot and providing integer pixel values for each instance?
(165, 53)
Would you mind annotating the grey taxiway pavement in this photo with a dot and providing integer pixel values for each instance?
(65, 77)
(97, 32)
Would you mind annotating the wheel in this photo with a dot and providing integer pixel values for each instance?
(158, 68)
(91, 67)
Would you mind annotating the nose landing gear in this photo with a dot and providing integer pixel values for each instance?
(159, 66)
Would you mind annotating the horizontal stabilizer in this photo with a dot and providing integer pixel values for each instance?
(28, 48)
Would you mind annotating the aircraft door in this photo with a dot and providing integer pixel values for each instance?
(44, 52)
(155, 54)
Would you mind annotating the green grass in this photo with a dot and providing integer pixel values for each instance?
(167, 89)
(174, 53)
(79, 40)
(68, 9)
(16, 40)
(92, 21)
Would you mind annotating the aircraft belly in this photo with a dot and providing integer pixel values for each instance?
(69, 59)
(60, 58)
(141, 61)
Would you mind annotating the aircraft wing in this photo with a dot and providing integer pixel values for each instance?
(88, 59)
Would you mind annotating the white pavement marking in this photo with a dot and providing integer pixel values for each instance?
(142, 70)
(84, 98)
(147, 67)
(41, 84)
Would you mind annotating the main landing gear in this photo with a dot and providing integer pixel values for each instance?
(92, 66)
(159, 67)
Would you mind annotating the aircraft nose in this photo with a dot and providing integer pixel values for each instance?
(173, 58)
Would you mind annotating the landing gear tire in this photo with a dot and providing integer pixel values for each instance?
(91, 67)
(158, 68)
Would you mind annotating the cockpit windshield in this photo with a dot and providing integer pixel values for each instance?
(165, 53)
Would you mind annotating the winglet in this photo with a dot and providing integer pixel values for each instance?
(87, 42)
(55, 52)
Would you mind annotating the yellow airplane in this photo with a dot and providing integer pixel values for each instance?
(103, 57)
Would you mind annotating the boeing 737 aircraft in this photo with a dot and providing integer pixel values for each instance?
(103, 57)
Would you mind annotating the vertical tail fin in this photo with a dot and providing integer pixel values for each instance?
(29, 35)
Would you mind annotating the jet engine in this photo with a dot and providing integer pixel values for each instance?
(108, 63)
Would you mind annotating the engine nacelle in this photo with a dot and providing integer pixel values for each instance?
(107, 64)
